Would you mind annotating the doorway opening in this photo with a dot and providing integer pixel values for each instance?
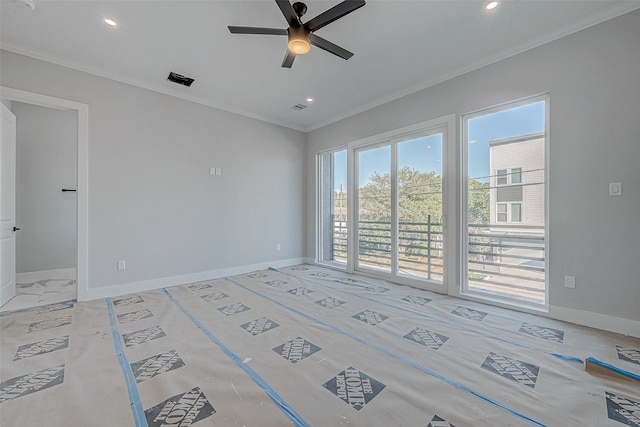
(50, 256)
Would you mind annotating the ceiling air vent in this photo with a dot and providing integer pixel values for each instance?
(180, 79)
(299, 107)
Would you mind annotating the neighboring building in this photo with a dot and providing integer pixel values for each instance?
(517, 184)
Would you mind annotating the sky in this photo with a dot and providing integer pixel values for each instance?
(523, 120)
(425, 154)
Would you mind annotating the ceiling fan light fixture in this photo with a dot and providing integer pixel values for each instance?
(298, 40)
(299, 46)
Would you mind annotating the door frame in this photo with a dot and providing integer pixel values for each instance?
(449, 197)
(8, 233)
(82, 233)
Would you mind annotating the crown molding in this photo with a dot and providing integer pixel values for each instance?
(121, 78)
(595, 19)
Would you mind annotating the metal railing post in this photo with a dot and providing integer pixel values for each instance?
(429, 247)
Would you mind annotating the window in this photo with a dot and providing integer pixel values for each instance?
(516, 212)
(501, 212)
(501, 177)
(516, 176)
(332, 207)
(505, 221)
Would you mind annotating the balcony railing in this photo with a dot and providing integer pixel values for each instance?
(506, 259)
(419, 246)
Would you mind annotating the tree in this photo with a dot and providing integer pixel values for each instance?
(478, 202)
(419, 195)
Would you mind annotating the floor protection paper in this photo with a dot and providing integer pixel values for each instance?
(307, 346)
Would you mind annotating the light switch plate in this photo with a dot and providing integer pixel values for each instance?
(570, 282)
(615, 188)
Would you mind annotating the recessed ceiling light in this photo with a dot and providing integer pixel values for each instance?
(110, 22)
(309, 99)
(492, 5)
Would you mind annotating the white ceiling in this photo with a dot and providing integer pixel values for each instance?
(399, 46)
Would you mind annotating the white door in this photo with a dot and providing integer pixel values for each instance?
(7, 206)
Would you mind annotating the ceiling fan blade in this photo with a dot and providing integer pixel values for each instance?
(329, 47)
(257, 30)
(287, 62)
(288, 12)
(336, 12)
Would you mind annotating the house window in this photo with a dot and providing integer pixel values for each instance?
(516, 212)
(516, 176)
(504, 223)
(501, 177)
(332, 207)
(502, 212)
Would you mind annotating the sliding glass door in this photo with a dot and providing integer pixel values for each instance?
(374, 209)
(420, 209)
(400, 207)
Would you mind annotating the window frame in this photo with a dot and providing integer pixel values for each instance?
(514, 174)
(502, 175)
(462, 290)
(320, 240)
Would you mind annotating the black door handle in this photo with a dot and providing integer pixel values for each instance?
(16, 229)
(64, 190)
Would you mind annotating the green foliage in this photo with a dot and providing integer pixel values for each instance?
(419, 195)
(478, 202)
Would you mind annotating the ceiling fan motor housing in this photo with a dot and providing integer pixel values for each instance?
(300, 8)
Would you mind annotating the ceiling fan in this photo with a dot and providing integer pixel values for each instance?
(301, 35)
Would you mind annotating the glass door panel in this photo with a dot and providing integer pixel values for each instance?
(420, 211)
(374, 233)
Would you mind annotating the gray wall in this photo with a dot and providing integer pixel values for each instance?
(152, 201)
(46, 153)
(594, 85)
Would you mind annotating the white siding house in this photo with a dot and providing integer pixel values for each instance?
(517, 183)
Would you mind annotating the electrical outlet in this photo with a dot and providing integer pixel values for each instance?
(122, 265)
(570, 282)
(278, 247)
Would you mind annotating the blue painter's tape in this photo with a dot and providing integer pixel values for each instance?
(273, 395)
(397, 357)
(567, 358)
(614, 369)
(134, 396)
(444, 322)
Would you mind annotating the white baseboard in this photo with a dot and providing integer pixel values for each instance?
(605, 322)
(35, 276)
(580, 317)
(164, 282)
